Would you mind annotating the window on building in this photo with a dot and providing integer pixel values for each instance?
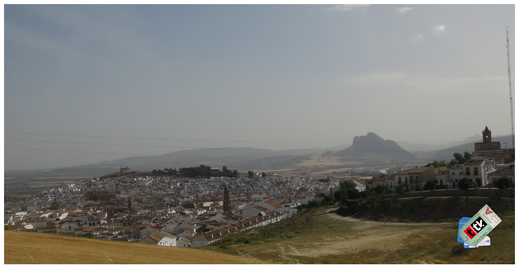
(476, 171)
(467, 171)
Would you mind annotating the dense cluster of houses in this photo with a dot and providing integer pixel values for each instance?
(180, 212)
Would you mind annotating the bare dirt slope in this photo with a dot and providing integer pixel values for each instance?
(365, 235)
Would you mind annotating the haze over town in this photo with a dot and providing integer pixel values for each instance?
(88, 83)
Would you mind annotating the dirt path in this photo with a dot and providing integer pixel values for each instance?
(362, 235)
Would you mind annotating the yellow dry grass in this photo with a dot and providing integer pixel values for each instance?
(318, 160)
(37, 248)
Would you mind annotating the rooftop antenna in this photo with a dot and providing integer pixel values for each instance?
(510, 87)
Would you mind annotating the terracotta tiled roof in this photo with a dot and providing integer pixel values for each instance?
(491, 154)
(157, 236)
(189, 225)
(473, 162)
(261, 208)
(418, 170)
(457, 167)
(273, 203)
(503, 172)
(201, 237)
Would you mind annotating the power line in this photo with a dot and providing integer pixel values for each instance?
(499, 112)
(214, 140)
(168, 154)
(172, 139)
(108, 144)
(481, 97)
(78, 151)
(141, 145)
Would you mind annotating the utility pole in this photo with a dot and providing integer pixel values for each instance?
(510, 87)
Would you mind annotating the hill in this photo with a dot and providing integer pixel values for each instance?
(374, 148)
(447, 154)
(37, 248)
(321, 236)
(414, 147)
(214, 157)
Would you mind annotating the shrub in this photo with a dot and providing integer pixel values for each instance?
(353, 194)
(313, 204)
(430, 185)
(380, 190)
(354, 206)
(87, 235)
(400, 189)
(458, 249)
(502, 183)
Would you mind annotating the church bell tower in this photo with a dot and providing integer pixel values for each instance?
(487, 135)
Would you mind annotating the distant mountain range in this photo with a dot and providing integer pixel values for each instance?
(422, 147)
(367, 148)
(447, 154)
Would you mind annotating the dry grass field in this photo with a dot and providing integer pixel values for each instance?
(318, 160)
(37, 248)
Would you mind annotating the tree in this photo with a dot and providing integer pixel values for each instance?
(436, 164)
(313, 204)
(430, 185)
(400, 189)
(353, 194)
(251, 174)
(502, 183)
(380, 190)
(88, 235)
(464, 184)
(234, 173)
(367, 193)
(459, 158)
(345, 186)
(328, 200)
(406, 186)
(337, 196)
(224, 169)
(263, 174)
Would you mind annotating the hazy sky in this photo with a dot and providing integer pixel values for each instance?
(85, 84)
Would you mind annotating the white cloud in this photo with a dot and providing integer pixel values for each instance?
(418, 38)
(404, 10)
(439, 30)
(347, 8)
